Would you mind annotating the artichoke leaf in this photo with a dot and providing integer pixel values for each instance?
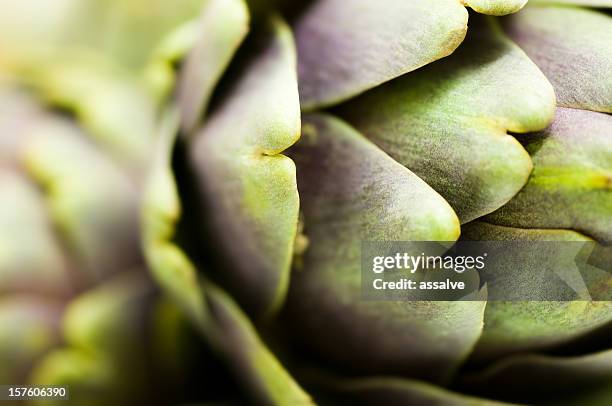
(350, 192)
(495, 7)
(127, 31)
(98, 224)
(30, 257)
(103, 359)
(585, 3)
(528, 326)
(247, 188)
(109, 102)
(221, 29)
(234, 336)
(160, 73)
(161, 212)
(216, 316)
(571, 184)
(346, 47)
(31, 326)
(448, 122)
(573, 47)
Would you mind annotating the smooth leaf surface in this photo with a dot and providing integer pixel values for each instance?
(448, 122)
(23, 23)
(529, 326)
(161, 212)
(496, 7)
(586, 3)
(221, 29)
(103, 359)
(112, 105)
(30, 256)
(160, 73)
(247, 188)
(97, 224)
(347, 47)
(351, 191)
(34, 328)
(128, 31)
(571, 184)
(234, 336)
(573, 47)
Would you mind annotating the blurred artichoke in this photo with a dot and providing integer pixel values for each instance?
(268, 140)
(77, 306)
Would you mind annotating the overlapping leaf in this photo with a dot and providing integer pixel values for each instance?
(572, 47)
(448, 122)
(33, 330)
(103, 331)
(570, 186)
(495, 7)
(216, 316)
(222, 28)
(347, 47)
(352, 191)
(246, 186)
(529, 326)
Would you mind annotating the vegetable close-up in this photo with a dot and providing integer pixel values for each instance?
(191, 192)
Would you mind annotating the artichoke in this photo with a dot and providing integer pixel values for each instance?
(241, 152)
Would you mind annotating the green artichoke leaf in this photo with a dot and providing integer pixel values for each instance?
(528, 326)
(247, 188)
(385, 390)
(98, 224)
(31, 326)
(161, 212)
(573, 47)
(350, 192)
(216, 316)
(235, 337)
(103, 359)
(221, 29)
(346, 47)
(127, 31)
(87, 375)
(160, 73)
(110, 103)
(585, 3)
(571, 184)
(448, 122)
(495, 7)
(576, 380)
(18, 39)
(30, 256)
(105, 319)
